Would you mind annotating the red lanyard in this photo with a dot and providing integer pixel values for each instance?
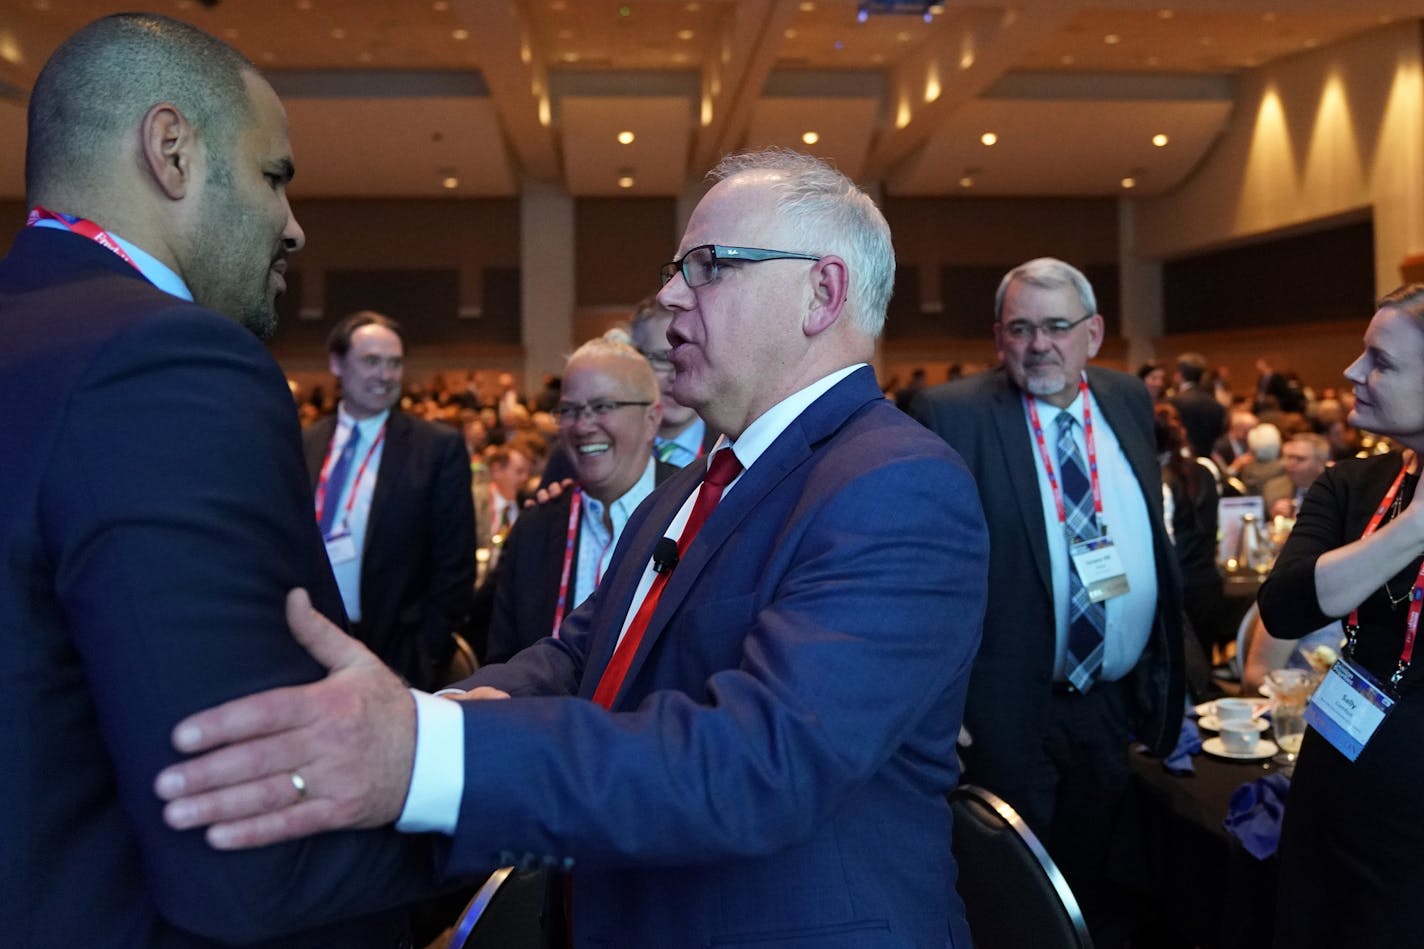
(82, 227)
(1092, 454)
(1416, 594)
(575, 507)
(355, 484)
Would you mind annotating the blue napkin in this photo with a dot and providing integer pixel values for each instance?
(1253, 815)
(1189, 743)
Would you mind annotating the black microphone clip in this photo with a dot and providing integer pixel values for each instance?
(664, 555)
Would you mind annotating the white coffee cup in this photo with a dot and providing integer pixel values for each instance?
(1232, 710)
(1239, 738)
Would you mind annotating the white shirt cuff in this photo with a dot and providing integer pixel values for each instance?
(437, 780)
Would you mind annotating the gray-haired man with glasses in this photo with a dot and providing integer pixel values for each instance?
(1084, 619)
(682, 437)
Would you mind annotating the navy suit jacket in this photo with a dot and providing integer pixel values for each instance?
(153, 513)
(776, 770)
(524, 588)
(982, 417)
(418, 563)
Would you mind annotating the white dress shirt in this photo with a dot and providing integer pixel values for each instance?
(361, 481)
(1126, 521)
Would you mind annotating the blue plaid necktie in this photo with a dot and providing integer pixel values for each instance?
(1086, 620)
(336, 481)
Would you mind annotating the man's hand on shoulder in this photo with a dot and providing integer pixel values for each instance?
(297, 761)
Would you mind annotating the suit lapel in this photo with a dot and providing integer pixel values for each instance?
(791, 449)
(393, 455)
(1014, 437)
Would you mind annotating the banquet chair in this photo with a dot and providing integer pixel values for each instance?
(1014, 894)
(504, 913)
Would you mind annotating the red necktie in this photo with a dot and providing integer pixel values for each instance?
(720, 473)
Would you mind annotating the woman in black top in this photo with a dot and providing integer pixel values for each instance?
(1352, 849)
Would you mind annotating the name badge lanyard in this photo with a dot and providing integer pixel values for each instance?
(575, 508)
(1092, 458)
(1416, 594)
(82, 227)
(321, 483)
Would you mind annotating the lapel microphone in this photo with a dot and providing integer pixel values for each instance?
(664, 555)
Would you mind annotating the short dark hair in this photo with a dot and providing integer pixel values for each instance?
(338, 341)
(1191, 367)
(100, 82)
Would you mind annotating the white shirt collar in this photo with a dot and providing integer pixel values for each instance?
(770, 424)
(154, 271)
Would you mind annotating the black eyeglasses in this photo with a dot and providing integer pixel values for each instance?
(570, 412)
(1025, 330)
(699, 265)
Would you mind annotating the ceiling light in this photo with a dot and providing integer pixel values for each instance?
(685, 34)
(810, 138)
(304, 4)
(1068, 60)
(460, 34)
(625, 138)
(449, 182)
(1166, 14)
(1160, 140)
(966, 181)
(441, 6)
(989, 138)
(806, 6)
(838, 45)
(1112, 39)
(1129, 183)
(902, 37)
(625, 11)
(625, 181)
(789, 34)
(338, 34)
(365, 56)
(558, 6)
(1269, 17)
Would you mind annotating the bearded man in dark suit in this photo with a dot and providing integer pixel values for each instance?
(154, 506)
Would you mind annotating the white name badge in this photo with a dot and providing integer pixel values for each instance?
(340, 548)
(1347, 708)
(1099, 566)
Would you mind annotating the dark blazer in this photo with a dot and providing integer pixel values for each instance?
(1203, 417)
(153, 513)
(776, 771)
(418, 564)
(982, 417)
(525, 582)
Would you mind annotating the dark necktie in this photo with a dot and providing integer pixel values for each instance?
(720, 473)
(1086, 620)
(336, 482)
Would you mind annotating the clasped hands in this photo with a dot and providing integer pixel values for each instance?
(295, 761)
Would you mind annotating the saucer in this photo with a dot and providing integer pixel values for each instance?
(1212, 724)
(1264, 749)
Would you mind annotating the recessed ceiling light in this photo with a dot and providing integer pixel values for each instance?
(338, 33)
(902, 37)
(570, 57)
(685, 34)
(1205, 40)
(626, 138)
(1068, 60)
(692, 7)
(558, 6)
(1269, 17)
(450, 182)
(1112, 39)
(810, 138)
(967, 181)
(789, 34)
(42, 5)
(1129, 183)
(461, 34)
(625, 181)
(304, 4)
(1160, 140)
(988, 138)
(1166, 14)
(806, 6)
(441, 6)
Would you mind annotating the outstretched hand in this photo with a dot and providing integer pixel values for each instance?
(300, 760)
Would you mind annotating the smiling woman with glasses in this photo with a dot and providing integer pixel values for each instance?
(699, 265)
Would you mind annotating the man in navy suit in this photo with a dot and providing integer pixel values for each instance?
(400, 525)
(154, 507)
(1050, 734)
(771, 767)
